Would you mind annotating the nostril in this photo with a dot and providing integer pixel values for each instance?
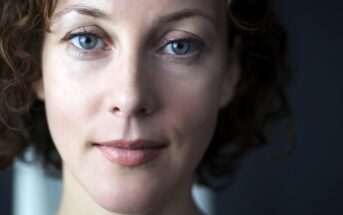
(139, 112)
(132, 105)
(115, 109)
(143, 112)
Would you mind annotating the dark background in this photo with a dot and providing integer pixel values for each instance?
(310, 180)
(5, 193)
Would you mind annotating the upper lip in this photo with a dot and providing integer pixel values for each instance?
(132, 144)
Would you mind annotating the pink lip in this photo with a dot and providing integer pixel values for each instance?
(130, 153)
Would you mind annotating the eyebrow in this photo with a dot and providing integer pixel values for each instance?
(83, 10)
(184, 14)
(96, 13)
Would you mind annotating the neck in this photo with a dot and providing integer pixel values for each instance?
(75, 200)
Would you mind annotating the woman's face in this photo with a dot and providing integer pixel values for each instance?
(132, 92)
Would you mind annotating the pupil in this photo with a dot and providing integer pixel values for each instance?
(180, 47)
(88, 41)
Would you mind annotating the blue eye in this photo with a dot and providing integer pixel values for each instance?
(182, 47)
(87, 41)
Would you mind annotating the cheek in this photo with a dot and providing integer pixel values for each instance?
(69, 93)
(193, 103)
(194, 112)
(192, 116)
(65, 105)
(62, 116)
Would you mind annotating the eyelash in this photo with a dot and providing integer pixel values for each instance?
(82, 52)
(195, 45)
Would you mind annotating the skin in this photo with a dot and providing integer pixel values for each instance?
(132, 86)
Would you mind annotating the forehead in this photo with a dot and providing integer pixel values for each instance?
(130, 9)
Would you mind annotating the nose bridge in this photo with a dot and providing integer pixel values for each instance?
(131, 94)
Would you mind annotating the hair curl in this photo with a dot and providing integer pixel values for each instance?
(260, 94)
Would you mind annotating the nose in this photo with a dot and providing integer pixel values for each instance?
(132, 93)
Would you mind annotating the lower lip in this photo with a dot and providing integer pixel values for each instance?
(129, 157)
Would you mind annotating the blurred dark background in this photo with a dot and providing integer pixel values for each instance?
(5, 192)
(310, 180)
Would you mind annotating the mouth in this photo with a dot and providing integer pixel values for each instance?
(131, 153)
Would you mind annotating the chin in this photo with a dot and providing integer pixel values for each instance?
(136, 197)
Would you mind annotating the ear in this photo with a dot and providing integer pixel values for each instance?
(231, 77)
(38, 88)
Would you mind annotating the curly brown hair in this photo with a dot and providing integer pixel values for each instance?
(260, 96)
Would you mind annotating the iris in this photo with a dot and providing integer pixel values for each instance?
(88, 41)
(180, 47)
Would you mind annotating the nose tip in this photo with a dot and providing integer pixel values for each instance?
(132, 108)
(132, 92)
(132, 100)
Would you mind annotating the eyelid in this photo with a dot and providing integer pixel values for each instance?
(190, 40)
(179, 37)
(82, 31)
(84, 53)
